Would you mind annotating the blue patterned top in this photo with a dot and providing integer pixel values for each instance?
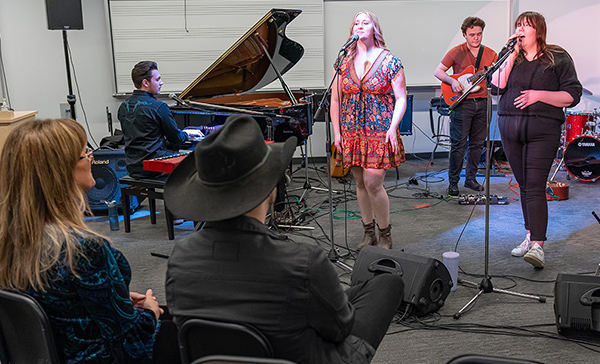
(92, 317)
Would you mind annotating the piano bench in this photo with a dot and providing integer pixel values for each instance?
(144, 188)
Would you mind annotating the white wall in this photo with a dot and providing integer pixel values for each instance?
(34, 62)
(35, 65)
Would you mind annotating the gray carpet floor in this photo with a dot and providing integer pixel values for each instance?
(427, 223)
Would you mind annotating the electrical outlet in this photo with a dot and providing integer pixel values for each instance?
(65, 110)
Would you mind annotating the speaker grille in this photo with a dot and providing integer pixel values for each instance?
(64, 14)
(107, 184)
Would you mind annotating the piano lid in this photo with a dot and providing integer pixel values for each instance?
(244, 66)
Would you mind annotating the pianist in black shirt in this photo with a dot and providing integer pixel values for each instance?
(147, 123)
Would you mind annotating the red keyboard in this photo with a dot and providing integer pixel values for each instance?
(164, 164)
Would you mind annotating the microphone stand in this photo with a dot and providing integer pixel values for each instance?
(333, 255)
(485, 286)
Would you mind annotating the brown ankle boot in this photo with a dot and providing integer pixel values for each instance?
(385, 237)
(370, 238)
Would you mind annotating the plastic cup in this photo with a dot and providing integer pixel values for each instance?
(450, 260)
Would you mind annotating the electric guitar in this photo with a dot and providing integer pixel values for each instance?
(466, 78)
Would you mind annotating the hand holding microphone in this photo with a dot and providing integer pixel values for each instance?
(512, 42)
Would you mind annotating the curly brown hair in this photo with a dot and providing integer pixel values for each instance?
(470, 22)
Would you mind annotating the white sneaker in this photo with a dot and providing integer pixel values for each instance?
(522, 248)
(535, 256)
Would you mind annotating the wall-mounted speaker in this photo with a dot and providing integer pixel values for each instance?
(427, 281)
(577, 305)
(107, 168)
(64, 14)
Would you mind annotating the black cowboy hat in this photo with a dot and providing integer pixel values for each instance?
(229, 173)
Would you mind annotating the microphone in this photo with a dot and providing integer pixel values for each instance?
(174, 97)
(350, 41)
(511, 43)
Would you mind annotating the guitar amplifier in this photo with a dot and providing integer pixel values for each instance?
(577, 305)
(108, 167)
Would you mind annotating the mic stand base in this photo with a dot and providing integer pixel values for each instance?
(334, 257)
(486, 287)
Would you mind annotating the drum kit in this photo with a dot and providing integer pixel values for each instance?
(581, 144)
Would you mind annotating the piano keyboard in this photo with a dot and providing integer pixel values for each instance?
(165, 164)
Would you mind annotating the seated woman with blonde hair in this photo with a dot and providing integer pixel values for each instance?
(48, 252)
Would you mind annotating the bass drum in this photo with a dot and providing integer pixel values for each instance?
(582, 158)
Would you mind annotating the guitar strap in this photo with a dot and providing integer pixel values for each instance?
(478, 60)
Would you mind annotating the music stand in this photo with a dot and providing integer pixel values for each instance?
(485, 286)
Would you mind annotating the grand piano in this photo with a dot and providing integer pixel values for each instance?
(228, 87)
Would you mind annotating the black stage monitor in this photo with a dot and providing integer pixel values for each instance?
(427, 281)
(577, 305)
(64, 14)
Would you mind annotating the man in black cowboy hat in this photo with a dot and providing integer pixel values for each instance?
(236, 269)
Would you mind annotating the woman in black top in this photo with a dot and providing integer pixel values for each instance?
(536, 82)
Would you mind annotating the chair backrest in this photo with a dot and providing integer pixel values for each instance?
(230, 359)
(25, 330)
(488, 359)
(202, 337)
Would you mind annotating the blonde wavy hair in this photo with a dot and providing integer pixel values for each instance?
(41, 205)
(377, 33)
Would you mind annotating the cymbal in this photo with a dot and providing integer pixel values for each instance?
(591, 98)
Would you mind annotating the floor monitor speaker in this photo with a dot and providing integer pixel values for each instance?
(64, 14)
(427, 282)
(107, 168)
(577, 305)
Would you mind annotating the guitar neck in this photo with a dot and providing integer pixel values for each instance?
(476, 76)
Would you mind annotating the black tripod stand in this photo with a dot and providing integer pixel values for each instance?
(307, 186)
(485, 286)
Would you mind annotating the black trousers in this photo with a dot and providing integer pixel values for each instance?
(166, 344)
(530, 144)
(375, 302)
(468, 125)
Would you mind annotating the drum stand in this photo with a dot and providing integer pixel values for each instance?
(485, 286)
(562, 160)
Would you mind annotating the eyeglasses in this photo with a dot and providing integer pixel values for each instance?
(89, 153)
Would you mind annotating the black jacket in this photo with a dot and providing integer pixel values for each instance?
(147, 124)
(238, 270)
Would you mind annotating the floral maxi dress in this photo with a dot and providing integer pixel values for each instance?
(366, 114)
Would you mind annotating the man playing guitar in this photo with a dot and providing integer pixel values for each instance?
(468, 119)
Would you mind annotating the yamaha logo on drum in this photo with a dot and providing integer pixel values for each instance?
(586, 144)
(586, 174)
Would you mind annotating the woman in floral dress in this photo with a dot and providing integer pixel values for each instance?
(368, 101)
